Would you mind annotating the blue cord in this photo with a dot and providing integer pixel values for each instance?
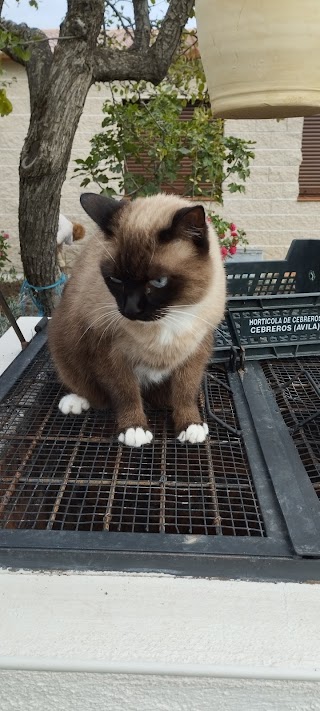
(28, 290)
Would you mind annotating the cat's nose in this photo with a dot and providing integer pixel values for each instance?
(132, 306)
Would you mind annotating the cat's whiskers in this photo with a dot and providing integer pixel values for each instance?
(117, 321)
(106, 250)
(170, 318)
(189, 313)
(96, 321)
(99, 308)
(114, 322)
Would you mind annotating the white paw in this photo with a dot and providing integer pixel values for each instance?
(135, 437)
(194, 434)
(73, 404)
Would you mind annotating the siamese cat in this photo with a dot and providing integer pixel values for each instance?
(137, 316)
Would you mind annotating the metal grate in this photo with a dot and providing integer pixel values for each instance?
(296, 386)
(63, 473)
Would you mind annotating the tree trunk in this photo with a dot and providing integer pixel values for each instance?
(38, 224)
(55, 114)
(43, 166)
(40, 190)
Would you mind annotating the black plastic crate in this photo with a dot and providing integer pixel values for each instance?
(298, 273)
(273, 308)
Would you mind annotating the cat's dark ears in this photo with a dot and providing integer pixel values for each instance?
(189, 223)
(100, 208)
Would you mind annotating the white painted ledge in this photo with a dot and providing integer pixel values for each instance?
(10, 345)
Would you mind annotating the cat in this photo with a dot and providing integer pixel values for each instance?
(137, 316)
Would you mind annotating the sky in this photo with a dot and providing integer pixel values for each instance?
(48, 16)
(51, 12)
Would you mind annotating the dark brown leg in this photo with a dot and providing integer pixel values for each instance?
(124, 392)
(186, 382)
(158, 396)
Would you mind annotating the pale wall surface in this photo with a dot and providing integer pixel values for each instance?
(27, 691)
(269, 210)
(160, 619)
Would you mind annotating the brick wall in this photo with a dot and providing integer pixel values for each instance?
(269, 210)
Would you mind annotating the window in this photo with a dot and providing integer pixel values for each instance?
(309, 175)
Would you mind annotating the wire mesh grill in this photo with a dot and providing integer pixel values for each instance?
(296, 386)
(70, 473)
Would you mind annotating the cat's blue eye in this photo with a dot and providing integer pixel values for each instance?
(116, 281)
(159, 283)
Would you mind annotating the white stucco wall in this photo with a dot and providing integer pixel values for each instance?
(269, 210)
(128, 619)
(26, 691)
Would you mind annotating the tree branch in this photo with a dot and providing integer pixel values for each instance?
(152, 64)
(124, 65)
(167, 42)
(119, 15)
(142, 25)
(39, 63)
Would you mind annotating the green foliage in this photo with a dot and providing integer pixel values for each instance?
(4, 254)
(5, 103)
(15, 43)
(18, 47)
(142, 124)
(8, 39)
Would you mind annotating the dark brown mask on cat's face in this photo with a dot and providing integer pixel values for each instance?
(153, 259)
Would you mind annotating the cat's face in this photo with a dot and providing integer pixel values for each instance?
(152, 261)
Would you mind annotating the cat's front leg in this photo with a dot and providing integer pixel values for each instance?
(132, 424)
(131, 420)
(186, 382)
(126, 399)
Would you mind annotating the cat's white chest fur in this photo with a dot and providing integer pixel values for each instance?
(172, 328)
(180, 322)
(149, 376)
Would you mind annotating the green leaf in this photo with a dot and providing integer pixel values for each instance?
(21, 53)
(5, 104)
(85, 182)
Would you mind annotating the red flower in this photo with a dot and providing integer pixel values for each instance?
(232, 249)
(224, 252)
(234, 233)
(5, 235)
(233, 227)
